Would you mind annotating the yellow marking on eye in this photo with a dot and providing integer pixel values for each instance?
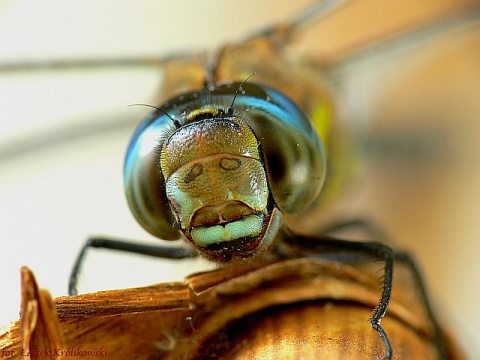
(322, 122)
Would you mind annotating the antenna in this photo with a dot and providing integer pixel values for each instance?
(175, 121)
(230, 108)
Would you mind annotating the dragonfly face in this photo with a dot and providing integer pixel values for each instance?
(215, 173)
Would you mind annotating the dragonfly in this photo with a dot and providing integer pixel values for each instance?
(237, 89)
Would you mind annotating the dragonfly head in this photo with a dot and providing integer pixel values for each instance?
(223, 177)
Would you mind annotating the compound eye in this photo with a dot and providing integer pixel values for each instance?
(293, 154)
(144, 182)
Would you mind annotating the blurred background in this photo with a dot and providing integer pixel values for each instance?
(63, 133)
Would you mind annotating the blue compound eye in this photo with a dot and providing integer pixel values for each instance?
(223, 176)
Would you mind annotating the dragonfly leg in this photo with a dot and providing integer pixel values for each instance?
(125, 246)
(440, 341)
(372, 231)
(334, 249)
(401, 257)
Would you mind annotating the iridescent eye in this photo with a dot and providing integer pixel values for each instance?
(224, 178)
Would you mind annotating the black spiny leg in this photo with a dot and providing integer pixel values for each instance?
(334, 249)
(126, 246)
(409, 262)
(372, 231)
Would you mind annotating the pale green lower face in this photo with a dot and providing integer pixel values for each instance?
(219, 198)
(250, 225)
